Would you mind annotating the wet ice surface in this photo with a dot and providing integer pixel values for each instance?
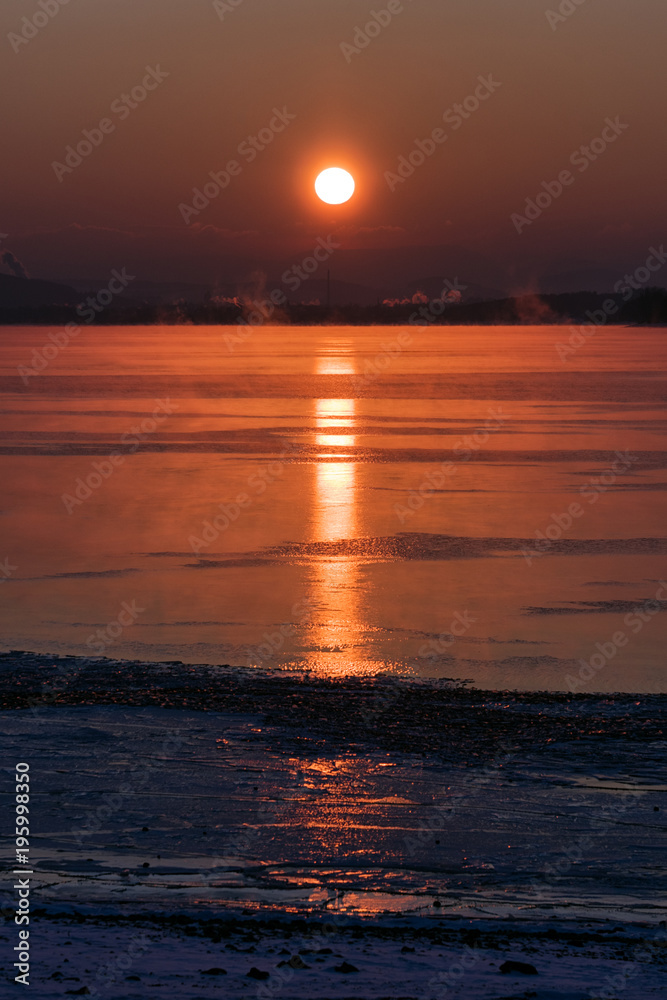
(516, 814)
(240, 814)
(348, 512)
(245, 788)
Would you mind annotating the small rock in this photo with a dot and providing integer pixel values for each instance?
(132, 979)
(345, 967)
(215, 971)
(405, 949)
(325, 951)
(144, 829)
(523, 967)
(257, 974)
(297, 962)
(78, 993)
(145, 865)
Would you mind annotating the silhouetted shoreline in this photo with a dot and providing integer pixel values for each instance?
(649, 307)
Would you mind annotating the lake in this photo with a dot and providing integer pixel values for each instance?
(464, 503)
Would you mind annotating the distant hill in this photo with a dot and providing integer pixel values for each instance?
(600, 279)
(342, 293)
(362, 276)
(386, 269)
(153, 292)
(31, 292)
(367, 276)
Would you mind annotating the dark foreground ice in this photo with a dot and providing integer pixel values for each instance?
(188, 819)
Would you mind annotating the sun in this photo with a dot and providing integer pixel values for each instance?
(334, 186)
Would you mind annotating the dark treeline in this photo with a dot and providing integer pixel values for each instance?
(646, 307)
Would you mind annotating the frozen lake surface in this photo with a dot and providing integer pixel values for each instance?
(405, 505)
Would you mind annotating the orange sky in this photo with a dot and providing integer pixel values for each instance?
(229, 69)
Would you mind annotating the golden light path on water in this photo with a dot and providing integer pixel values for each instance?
(336, 577)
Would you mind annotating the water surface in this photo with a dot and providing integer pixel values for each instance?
(394, 483)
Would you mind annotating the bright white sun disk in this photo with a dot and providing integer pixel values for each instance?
(334, 186)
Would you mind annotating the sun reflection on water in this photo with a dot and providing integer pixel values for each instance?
(336, 578)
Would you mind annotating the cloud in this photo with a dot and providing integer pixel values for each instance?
(198, 229)
(369, 237)
(77, 229)
(11, 261)
(381, 229)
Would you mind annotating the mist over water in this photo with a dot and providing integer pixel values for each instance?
(450, 502)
